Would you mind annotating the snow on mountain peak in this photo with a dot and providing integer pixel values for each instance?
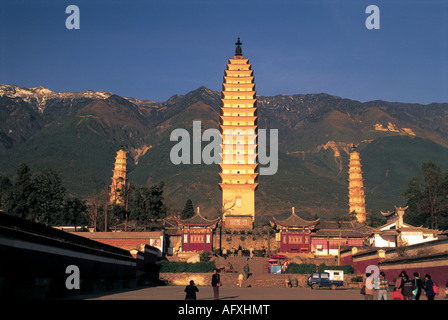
(42, 94)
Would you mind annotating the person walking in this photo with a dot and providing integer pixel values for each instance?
(383, 285)
(429, 287)
(446, 290)
(190, 291)
(368, 284)
(216, 283)
(247, 270)
(418, 286)
(240, 280)
(399, 282)
(408, 286)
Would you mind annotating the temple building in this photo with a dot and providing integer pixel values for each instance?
(238, 124)
(118, 178)
(329, 237)
(197, 233)
(396, 232)
(356, 195)
(294, 234)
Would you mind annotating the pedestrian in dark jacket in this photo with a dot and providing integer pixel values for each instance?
(418, 286)
(190, 291)
(407, 286)
(216, 283)
(429, 284)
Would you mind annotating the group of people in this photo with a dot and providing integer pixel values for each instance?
(405, 287)
(191, 289)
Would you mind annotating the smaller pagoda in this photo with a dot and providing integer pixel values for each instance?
(197, 233)
(119, 178)
(294, 233)
(356, 190)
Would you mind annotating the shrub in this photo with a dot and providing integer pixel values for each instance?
(204, 256)
(308, 268)
(348, 269)
(302, 268)
(178, 266)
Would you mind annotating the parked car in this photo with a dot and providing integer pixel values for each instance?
(322, 279)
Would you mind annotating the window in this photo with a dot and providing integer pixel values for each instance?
(195, 238)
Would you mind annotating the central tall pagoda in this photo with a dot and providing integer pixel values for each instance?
(356, 191)
(238, 124)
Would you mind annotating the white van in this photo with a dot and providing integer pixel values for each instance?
(336, 275)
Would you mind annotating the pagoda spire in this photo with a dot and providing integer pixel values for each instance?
(238, 50)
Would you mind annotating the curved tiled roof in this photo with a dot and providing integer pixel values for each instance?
(197, 220)
(295, 221)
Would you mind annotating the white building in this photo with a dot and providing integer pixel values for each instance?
(397, 233)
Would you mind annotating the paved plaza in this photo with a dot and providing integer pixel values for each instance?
(230, 293)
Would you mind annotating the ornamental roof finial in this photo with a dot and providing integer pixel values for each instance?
(238, 50)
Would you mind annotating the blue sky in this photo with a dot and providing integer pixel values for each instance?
(152, 49)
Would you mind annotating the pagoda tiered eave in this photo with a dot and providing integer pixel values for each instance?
(238, 102)
(243, 80)
(242, 186)
(234, 166)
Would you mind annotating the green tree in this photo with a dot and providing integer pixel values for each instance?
(18, 200)
(48, 197)
(188, 211)
(5, 185)
(118, 213)
(427, 198)
(146, 203)
(74, 212)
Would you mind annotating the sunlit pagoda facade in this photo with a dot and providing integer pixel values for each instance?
(238, 124)
(356, 190)
(119, 178)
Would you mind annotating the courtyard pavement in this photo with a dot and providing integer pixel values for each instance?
(229, 293)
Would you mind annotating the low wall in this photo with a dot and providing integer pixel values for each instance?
(246, 241)
(183, 279)
(231, 280)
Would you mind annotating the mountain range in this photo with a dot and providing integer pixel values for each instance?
(78, 135)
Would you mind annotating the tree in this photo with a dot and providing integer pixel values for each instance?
(5, 185)
(74, 212)
(18, 199)
(146, 203)
(188, 211)
(427, 200)
(48, 197)
(39, 198)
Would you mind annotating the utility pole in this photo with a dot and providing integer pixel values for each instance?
(105, 209)
(339, 242)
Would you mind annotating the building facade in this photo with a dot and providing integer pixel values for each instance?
(197, 233)
(397, 233)
(294, 234)
(238, 124)
(329, 237)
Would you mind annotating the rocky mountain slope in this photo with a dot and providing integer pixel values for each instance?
(78, 135)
